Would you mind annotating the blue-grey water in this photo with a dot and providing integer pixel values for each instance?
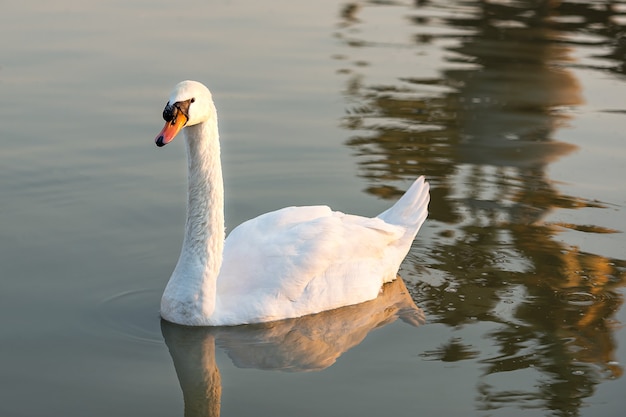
(514, 110)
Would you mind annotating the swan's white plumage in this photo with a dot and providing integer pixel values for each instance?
(283, 264)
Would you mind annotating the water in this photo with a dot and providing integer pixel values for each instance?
(513, 110)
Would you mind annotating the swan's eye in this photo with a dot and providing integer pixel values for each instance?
(193, 99)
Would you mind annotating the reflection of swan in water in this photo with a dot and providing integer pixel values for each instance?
(302, 344)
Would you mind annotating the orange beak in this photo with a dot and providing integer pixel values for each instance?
(170, 130)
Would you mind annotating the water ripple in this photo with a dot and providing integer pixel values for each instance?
(133, 314)
(581, 297)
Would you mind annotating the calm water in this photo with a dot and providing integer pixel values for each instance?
(514, 111)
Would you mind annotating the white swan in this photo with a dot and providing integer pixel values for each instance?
(283, 264)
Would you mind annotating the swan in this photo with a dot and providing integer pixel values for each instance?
(283, 264)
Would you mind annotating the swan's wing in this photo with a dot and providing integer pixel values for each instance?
(282, 252)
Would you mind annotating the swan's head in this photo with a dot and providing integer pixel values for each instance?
(190, 104)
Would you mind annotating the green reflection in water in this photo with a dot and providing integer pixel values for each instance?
(482, 131)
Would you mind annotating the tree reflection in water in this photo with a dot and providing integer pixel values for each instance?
(483, 133)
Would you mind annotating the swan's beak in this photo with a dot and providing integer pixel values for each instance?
(170, 130)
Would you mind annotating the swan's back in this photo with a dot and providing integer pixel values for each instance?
(303, 260)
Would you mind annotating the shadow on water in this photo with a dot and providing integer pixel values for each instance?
(309, 343)
(483, 132)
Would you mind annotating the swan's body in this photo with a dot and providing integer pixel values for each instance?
(283, 264)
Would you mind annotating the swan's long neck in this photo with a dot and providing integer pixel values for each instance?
(191, 292)
(204, 230)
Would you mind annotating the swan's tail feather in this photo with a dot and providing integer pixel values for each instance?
(411, 209)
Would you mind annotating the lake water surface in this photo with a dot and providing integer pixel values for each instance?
(512, 296)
